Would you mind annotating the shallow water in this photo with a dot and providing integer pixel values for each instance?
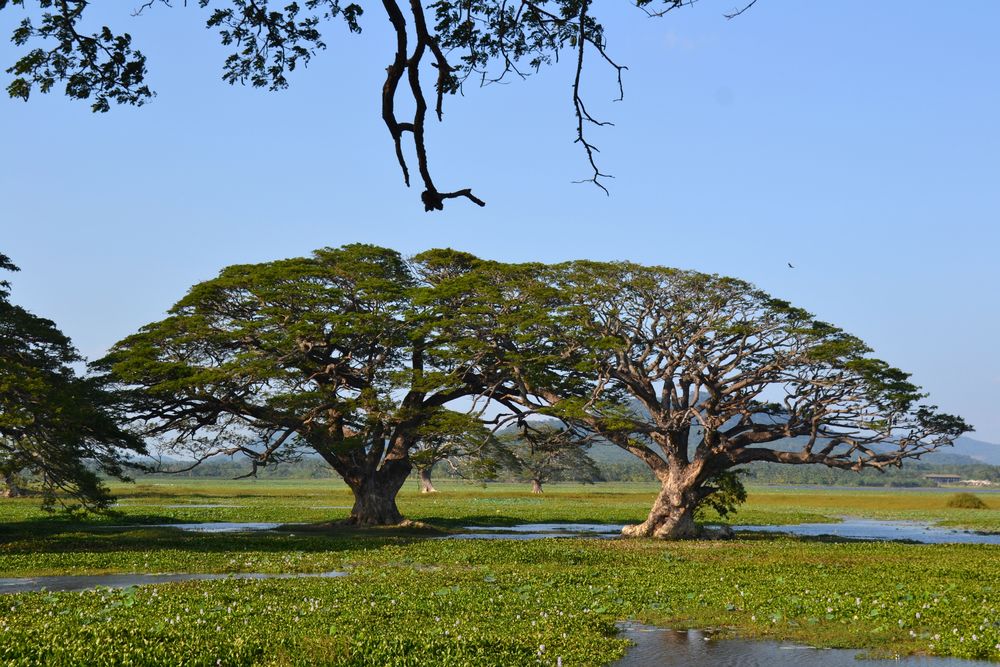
(217, 526)
(872, 529)
(660, 647)
(84, 582)
(861, 529)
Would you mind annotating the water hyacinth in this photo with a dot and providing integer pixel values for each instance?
(412, 600)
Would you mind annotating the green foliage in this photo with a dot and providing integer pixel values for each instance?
(544, 453)
(358, 354)
(101, 66)
(55, 426)
(310, 346)
(460, 439)
(409, 600)
(727, 492)
(351, 352)
(267, 42)
(674, 365)
(967, 501)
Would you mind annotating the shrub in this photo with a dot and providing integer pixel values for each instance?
(967, 501)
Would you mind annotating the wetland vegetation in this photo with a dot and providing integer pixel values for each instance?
(410, 598)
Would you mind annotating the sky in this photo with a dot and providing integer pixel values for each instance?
(858, 141)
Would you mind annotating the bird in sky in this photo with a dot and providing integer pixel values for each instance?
(790, 265)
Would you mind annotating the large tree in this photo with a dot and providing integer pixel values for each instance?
(55, 426)
(697, 374)
(342, 352)
(456, 41)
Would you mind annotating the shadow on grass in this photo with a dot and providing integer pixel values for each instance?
(109, 534)
(499, 521)
(50, 536)
(776, 535)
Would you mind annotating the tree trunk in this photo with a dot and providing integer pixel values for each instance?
(12, 490)
(536, 486)
(426, 485)
(672, 514)
(375, 494)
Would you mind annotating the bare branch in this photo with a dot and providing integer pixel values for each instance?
(737, 12)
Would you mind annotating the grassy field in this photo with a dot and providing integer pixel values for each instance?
(413, 599)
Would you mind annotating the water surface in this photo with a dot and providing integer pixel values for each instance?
(217, 526)
(849, 527)
(874, 529)
(88, 581)
(660, 647)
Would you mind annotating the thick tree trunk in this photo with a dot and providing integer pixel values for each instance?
(536, 486)
(375, 494)
(426, 485)
(12, 490)
(672, 514)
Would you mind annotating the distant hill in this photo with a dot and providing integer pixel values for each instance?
(981, 451)
(966, 451)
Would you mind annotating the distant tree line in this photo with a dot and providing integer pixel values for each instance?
(910, 476)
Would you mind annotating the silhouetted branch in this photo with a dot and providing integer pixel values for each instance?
(736, 13)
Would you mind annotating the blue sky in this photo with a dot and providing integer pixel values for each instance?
(859, 141)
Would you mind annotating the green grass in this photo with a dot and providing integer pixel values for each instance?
(414, 600)
(930, 506)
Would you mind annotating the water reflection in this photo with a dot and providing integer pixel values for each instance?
(219, 526)
(660, 647)
(860, 529)
(872, 529)
(85, 582)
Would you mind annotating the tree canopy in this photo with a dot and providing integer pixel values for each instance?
(461, 441)
(60, 427)
(342, 352)
(362, 356)
(696, 374)
(452, 41)
(545, 452)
